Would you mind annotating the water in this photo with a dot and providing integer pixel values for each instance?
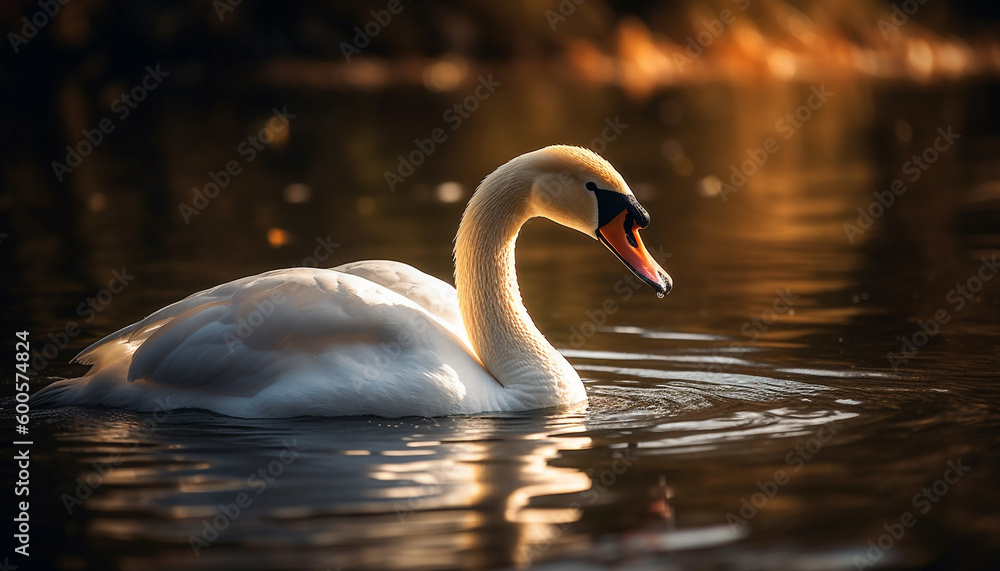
(752, 419)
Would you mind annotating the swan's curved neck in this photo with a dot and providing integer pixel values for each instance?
(498, 325)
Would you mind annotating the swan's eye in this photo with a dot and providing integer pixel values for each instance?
(591, 187)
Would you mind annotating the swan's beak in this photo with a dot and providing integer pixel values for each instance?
(626, 244)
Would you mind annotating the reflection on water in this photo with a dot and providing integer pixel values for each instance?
(383, 493)
(429, 489)
(764, 372)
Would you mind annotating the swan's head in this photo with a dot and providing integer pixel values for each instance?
(579, 189)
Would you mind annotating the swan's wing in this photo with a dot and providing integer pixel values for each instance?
(137, 332)
(237, 338)
(439, 298)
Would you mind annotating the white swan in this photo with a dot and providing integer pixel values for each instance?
(377, 337)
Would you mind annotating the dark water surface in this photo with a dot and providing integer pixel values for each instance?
(752, 419)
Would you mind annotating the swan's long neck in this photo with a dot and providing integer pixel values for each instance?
(498, 325)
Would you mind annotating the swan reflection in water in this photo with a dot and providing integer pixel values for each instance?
(356, 492)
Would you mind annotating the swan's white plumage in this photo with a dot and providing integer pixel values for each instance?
(438, 297)
(326, 342)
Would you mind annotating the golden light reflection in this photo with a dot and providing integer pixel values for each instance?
(274, 131)
(683, 166)
(903, 129)
(800, 26)
(781, 62)
(954, 58)
(277, 237)
(590, 63)
(749, 40)
(772, 41)
(408, 453)
(422, 443)
(515, 471)
(643, 63)
(541, 479)
(444, 75)
(920, 58)
(710, 186)
(449, 192)
(365, 205)
(366, 74)
(297, 193)
(97, 201)
(749, 47)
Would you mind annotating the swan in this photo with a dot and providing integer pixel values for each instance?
(378, 337)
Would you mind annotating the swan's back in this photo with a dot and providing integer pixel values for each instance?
(438, 297)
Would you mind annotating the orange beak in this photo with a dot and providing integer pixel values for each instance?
(627, 245)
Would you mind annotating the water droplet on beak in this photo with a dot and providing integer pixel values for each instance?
(659, 294)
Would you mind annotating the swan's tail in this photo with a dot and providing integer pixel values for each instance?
(103, 385)
(59, 393)
(109, 359)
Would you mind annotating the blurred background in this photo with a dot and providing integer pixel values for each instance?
(190, 143)
(696, 83)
